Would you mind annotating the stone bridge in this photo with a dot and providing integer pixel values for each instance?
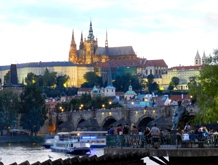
(101, 119)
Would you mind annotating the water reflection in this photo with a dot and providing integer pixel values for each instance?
(19, 153)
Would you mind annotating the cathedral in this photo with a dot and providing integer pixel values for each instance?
(89, 52)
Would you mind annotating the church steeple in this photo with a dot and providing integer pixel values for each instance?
(81, 41)
(73, 51)
(73, 36)
(204, 59)
(197, 59)
(106, 41)
(90, 36)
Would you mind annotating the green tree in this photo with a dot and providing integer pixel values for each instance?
(171, 86)
(122, 83)
(192, 81)
(150, 81)
(9, 105)
(91, 77)
(49, 78)
(7, 77)
(32, 108)
(206, 92)
(62, 81)
(175, 81)
(31, 78)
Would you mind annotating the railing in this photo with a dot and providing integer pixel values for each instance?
(170, 141)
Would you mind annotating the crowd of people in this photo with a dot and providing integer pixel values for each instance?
(154, 137)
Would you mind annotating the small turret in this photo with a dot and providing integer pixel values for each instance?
(204, 59)
(197, 59)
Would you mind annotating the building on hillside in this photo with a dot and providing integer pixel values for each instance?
(82, 91)
(75, 72)
(89, 52)
(184, 73)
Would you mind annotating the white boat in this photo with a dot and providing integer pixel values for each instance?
(64, 140)
(96, 139)
(70, 145)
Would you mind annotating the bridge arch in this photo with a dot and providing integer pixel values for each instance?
(107, 123)
(143, 121)
(80, 120)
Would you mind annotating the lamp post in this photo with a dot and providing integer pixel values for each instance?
(103, 106)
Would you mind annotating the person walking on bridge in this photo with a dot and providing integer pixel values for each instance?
(155, 132)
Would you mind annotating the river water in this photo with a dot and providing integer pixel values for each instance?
(11, 153)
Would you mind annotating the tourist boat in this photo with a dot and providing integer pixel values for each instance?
(70, 146)
(96, 139)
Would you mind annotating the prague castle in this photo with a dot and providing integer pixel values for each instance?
(89, 52)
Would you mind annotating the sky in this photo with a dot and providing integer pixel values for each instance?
(173, 30)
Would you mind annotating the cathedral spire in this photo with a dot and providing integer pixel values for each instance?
(90, 36)
(73, 35)
(81, 41)
(106, 41)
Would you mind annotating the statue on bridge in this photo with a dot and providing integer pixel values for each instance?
(179, 113)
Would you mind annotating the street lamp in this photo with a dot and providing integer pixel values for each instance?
(132, 103)
(103, 106)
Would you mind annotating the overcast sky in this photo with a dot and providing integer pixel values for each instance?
(173, 30)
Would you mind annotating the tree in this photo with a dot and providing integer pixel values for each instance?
(91, 78)
(7, 77)
(49, 78)
(62, 81)
(32, 108)
(171, 86)
(206, 92)
(150, 79)
(192, 81)
(31, 78)
(9, 105)
(122, 83)
(175, 81)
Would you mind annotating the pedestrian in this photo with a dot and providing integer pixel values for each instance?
(111, 130)
(155, 132)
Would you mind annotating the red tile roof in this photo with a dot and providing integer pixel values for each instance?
(159, 62)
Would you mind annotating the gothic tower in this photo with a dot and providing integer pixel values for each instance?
(73, 52)
(204, 59)
(90, 45)
(197, 59)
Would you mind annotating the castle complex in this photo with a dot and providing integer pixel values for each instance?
(89, 52)
(121, 60)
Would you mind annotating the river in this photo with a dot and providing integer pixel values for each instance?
(13, 152)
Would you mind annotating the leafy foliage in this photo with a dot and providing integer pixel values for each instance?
(92, 79)
(7, 77)
(206, 93)
(122, 83)
(175, 81)
(9, 105)
(32, 108)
